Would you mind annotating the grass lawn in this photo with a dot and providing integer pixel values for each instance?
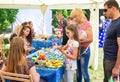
(97, 75)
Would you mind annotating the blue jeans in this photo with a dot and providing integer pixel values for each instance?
(82, 66)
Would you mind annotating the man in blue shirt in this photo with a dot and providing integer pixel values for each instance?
(111, 63)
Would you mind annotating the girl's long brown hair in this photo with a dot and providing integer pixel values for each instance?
(73, 28)
(16, 62)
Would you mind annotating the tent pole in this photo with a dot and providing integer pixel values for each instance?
(43, 10)
(94, 17)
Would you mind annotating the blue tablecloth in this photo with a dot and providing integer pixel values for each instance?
(38, 44)
(50, 74)
(34, 54)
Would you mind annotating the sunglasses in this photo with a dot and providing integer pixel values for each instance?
(105, 10)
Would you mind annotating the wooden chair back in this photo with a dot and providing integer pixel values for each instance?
(15, 77)
(2, 47)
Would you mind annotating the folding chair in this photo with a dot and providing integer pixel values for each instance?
(15, 77)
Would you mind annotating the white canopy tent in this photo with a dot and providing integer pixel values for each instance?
(36, 16)
(93, 5)
(51, 4)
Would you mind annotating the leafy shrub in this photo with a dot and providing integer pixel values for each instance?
(7, 17)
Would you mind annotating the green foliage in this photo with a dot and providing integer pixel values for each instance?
(7, 17)
(65, 13)
(6, 41)
(87, 13)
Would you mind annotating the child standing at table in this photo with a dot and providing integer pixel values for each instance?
(70, 50)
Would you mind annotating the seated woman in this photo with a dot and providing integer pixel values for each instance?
(17, 62)
(26, 34)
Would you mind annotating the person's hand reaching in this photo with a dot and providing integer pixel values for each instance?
(32, 48)
(59, 48)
